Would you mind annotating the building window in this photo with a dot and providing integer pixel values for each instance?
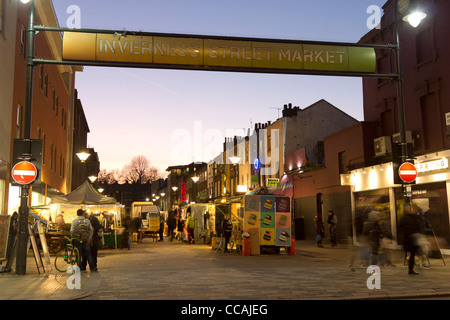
(19, 122)
(2, 15)
(424, 45)
(45, 89)
(23, 39)
(53, 99)
(43, 148)
(431, 122)
(41, 77)
(342, 163)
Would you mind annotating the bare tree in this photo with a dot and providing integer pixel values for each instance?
(139, 170)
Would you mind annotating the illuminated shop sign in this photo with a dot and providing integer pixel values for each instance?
(432, 165)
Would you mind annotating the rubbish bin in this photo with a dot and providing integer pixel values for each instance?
(299, 227)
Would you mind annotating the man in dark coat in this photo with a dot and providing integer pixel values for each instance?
(411, 227)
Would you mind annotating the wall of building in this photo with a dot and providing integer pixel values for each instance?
(52, 103)
(8, 12)
(426, 77)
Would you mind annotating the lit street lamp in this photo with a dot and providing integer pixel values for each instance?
(414, 19)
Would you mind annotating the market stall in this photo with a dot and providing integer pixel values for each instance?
(62, 211)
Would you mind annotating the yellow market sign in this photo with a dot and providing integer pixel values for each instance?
(217, 54)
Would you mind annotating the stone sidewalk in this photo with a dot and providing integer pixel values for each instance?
(182, 272)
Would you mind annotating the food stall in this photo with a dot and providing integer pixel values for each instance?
(63, 210)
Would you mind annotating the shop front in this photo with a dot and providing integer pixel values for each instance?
(373, 189)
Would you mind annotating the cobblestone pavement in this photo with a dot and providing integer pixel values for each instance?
(178, 271)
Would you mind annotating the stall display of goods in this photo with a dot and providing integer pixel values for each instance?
(270, 215)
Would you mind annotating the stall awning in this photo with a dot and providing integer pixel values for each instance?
(84, 194)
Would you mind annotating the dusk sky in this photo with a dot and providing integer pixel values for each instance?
(165, 114)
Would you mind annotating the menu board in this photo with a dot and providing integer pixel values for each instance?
(4, 232)
(271, 216)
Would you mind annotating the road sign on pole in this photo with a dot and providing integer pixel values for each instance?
(24, 172)
(407, 172)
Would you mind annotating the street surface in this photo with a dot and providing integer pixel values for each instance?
(162, 271)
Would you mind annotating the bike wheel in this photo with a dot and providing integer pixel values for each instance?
(65, 258)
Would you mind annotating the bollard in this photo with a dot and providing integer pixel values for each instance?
(291, 250)
(246, 246)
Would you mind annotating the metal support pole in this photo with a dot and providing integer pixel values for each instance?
(22, 238)
(400, 101)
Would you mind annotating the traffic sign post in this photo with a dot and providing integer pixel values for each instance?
(24, 172)
(407, 172)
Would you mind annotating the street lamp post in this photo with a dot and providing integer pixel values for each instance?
(414, 19)
(22, 237)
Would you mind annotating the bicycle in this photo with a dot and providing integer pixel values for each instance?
(66, 257)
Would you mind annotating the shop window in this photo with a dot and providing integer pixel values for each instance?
(432, 204)
(372, 201)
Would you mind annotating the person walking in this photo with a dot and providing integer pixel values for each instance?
(96, 226)
(81, 230)
(320, 231)
(180, 228)
(227, 228)
(171, 225)
(411, 228)
(190, 225)
(332, 224)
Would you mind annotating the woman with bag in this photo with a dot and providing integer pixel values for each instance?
(320, 231)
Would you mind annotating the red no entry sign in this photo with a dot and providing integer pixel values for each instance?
(407, 172)
(24, 172)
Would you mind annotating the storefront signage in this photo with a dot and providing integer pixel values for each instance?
(204, 53)
(183, 192)
(432, 165)
(272, 182)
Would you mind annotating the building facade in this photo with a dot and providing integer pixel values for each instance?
(426, 78)
(52, 105)
(8, 18)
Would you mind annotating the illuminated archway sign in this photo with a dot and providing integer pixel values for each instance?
(217, 53)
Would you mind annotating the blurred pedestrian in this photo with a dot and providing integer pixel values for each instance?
(227, 228)
(332, 224)
(126, 225)
(171, 225)
(180, 228)
(372, 233)
(161, 228)
(320, 231)
(190, 225)
(97, 227)
(411, 228)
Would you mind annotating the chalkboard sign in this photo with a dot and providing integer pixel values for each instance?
(5, 221)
